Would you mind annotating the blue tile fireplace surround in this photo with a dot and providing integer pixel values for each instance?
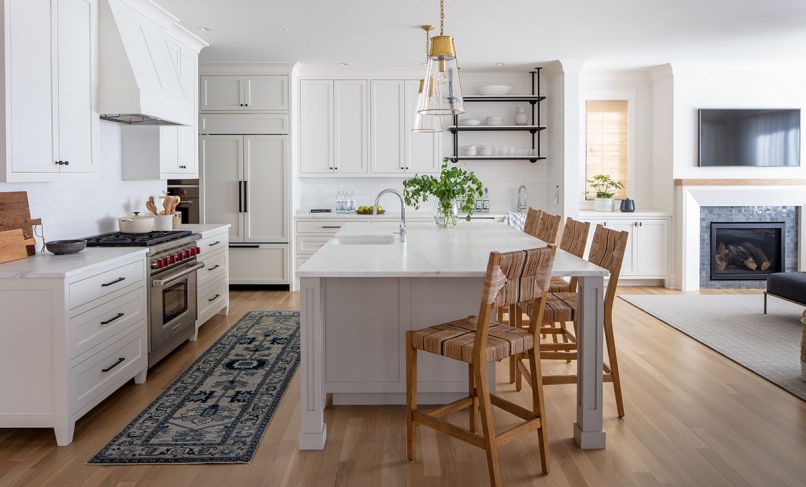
(761, 245)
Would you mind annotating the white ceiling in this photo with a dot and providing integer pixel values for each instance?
(619, 33)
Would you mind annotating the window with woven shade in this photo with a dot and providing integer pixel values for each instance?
(606, 143)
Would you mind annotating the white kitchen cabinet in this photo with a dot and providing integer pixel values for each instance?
(388, 121)
(159, 152)
(244, 93)
(647, 252)
(259, 264)
(212, 294)
(74, 333)
(51, 124)
(265, 159)
(333, 127)
(422, 149)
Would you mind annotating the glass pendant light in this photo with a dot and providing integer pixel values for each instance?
(426, 123)
(442, 87)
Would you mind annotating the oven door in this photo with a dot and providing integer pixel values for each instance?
(173, 309)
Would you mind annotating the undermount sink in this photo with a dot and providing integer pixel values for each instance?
(365, 240)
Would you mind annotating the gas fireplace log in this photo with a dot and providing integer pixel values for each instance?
(721, 263)
(758, 255)
(737, 255)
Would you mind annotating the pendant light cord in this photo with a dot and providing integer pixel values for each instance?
(441, 17)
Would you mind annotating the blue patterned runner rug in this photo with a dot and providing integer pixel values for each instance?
(217, 410)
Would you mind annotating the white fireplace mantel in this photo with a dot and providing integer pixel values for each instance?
(689, 199)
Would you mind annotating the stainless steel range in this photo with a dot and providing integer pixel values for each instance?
(172, 307)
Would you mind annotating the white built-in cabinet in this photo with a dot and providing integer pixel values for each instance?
(229, 93)
(362, 127)
(647, 252)
(159, 152)
(50, 55)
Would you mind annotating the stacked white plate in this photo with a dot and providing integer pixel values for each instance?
(495, 90)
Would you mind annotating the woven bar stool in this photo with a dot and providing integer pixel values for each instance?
(511, 277)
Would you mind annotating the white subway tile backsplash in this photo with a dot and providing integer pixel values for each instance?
(82, 208)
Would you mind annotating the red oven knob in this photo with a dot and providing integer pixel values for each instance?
(171, 259)
(186, 254)
(198, 250)
(162, 263)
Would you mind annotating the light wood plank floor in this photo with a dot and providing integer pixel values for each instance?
(693, 418)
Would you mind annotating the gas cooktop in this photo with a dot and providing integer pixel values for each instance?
(118, 239)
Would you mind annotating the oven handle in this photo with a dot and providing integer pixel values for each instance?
(173, 277)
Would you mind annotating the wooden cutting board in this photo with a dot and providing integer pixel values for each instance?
(14, 213)
(13, 246)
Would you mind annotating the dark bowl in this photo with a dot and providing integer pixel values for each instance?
(65, 247)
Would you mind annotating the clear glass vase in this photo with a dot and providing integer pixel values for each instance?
(446, 214)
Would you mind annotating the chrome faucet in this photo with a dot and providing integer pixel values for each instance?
(522, 204)
(402, 210)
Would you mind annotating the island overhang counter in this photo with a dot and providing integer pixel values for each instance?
(364, 289)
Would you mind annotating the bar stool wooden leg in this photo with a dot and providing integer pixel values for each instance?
(513, 371)
(488, 429)
(411, 398)
(610, 343)
(538, 407)
(471, 387)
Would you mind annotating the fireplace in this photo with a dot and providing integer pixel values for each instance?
(747, 250)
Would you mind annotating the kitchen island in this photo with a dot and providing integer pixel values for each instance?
(365, 288)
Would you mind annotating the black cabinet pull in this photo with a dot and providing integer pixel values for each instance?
(58, 163)
(213, 268)
(120, 361)
(110, 320)
(214, 243)
(66, 163)
(107, 284)
(331, 226)
(246, 196)
(240, 196)
(214, 298)
(183, 167)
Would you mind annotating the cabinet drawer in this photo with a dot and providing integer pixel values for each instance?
(259, 264)
(243, 123)
(213, 244)
(212, 298)
(309, 245)
(323, 227)
(106, 321)
(99, 375)
(94, 287)
(215, 265)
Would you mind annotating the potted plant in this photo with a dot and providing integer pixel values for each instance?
(605, 188)
(453, 185)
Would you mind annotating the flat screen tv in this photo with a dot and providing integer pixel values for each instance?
(766, 138)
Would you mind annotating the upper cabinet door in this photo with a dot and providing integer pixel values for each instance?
(32, 97)
(266, 93)
(169, 150)
(387, 142)
(265, 173)
(188, 150)
(222, 93)
(78, 124)
(316, 127)
(220, 177)
(422, 149)
(350, 127)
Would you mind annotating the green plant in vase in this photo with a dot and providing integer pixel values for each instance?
(453, 185)
(605, 188)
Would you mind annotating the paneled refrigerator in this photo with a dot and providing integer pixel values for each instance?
(243, 181)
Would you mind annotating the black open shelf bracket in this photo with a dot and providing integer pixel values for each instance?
(534, 128)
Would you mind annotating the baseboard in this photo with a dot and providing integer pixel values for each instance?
(369, 399)
(622, 282)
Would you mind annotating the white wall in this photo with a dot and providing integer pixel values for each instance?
(698, 87)
(661, 182)
(84, 208)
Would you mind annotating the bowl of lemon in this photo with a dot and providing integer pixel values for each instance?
(369, 210)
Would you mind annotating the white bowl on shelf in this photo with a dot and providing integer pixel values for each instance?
(470, 122)
(495, 90)
(494, 121)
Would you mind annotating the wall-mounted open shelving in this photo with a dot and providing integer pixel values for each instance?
(535, 127)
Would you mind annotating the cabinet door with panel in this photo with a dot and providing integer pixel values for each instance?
(220, 181)
(628, 265)
(652, 242)
(265, 173)
(350, 127)
(30, 75)
(265, 93)
(78, 124)
(316, 127)
(387, 118)
(422, 149)
(188, 149)
(222, 93)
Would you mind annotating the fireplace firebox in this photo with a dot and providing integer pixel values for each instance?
(747, 250)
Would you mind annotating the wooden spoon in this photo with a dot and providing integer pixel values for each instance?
(166, 205)
(151, 205)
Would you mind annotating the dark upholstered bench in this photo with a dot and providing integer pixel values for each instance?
(790, 286)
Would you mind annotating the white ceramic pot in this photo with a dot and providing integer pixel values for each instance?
(521, 118)
(163, 223)
(136, 223)
(603, 204)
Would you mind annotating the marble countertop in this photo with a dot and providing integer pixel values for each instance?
(462, 251)
(51, 266)
(389, 215)
(618, 214)
(205, 229)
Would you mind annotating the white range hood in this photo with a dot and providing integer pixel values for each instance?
(148, 65)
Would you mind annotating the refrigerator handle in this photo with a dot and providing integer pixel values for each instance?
(240, 196)
(246, 196)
